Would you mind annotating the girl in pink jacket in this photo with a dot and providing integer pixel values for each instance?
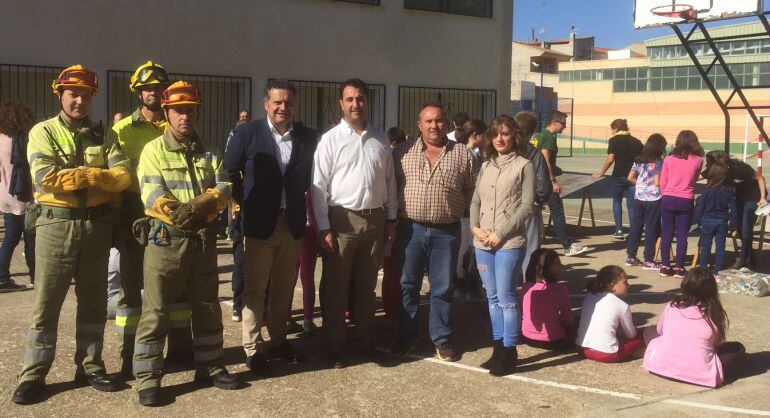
(689, 343)
(680, 171)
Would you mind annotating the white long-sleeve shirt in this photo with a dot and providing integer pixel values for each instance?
(353, 171)
(603, 316)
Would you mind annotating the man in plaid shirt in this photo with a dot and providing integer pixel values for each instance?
(436, 178)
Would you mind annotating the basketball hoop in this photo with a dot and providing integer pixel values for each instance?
(681, 11)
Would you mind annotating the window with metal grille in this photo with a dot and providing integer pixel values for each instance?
(223, 98)
(478, 104)
(317, 104)
(30, 84)
(481, 8)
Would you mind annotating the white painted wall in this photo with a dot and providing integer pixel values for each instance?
(297, 39)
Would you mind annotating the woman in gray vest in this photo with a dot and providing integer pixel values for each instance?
(501, 205)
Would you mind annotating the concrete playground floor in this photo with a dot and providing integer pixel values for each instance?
(546, 383)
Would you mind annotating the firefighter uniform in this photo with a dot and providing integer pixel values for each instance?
(179, 260)
(133, 134)
(76, 173)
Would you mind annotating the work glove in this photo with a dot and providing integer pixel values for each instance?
(194, 214)
(113, 180)
(72, 179)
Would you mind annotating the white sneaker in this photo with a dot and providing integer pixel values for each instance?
(575, 249)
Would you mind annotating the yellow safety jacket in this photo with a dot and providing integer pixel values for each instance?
(59, 157)
(171, 172)
(133, 134)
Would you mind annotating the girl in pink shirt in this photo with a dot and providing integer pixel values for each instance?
(680, 171)
(689, 342)
(547, 320)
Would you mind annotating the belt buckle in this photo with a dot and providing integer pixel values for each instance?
(367, 211)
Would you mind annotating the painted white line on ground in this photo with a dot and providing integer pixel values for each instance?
(717, 407)
(582, 295)
(585, 218)
(589, 389)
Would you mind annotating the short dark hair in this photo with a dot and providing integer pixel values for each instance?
(431, 104)
(557, 116)
(356, 83)
(470, 127)
(396, 135)
(460, 118)
(619, 125)
(275, 84)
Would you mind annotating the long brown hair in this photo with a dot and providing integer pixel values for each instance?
(718, 175)
(520, 140)
(539, 268)
(687, 144)
(653, 149)
(15, 118)
(699, 288)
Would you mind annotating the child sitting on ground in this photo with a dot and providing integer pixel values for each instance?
(714, 207)
(606, 332)
(547, 320)
(689, 342)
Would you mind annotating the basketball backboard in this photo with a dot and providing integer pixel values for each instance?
(703, 10)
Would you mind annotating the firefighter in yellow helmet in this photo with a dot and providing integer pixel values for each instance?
(76, 169)
(183, 187)
(145, 124)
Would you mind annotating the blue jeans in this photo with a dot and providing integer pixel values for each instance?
(621, 188)
(433, 246)
(500, 272)
(713, 229)
(745, 227)
(556, 207)
(14, 228)
(646, 217)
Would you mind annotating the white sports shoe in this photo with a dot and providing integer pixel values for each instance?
(575, 249)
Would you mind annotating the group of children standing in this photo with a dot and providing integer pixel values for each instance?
(688, 343)
(665, 206)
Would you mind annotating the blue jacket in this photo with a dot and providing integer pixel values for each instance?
(251, 163)
(20, 185)
(716, 203)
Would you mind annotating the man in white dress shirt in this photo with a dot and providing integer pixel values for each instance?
(356, 204)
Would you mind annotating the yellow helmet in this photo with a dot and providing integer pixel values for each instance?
(180, 93)
(147, 74)
(76, 76)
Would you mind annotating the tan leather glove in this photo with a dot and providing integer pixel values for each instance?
(72, 179)
(113, 180)
(194, 214)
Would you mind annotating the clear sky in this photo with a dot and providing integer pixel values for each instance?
(610, 21)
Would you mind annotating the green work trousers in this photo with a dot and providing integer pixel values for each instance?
(129, 307)
(175, 266)
(67, 249)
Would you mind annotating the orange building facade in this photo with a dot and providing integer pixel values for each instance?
(663, 92)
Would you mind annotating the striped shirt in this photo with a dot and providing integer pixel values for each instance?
(440, 194)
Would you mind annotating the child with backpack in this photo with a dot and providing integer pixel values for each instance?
(547, 320)
(689, 344)
(606, 332)
(645, 174)
(715, 207)
(680, 171)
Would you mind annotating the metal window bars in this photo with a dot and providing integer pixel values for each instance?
(478, 104)
(317, 104)
(223, 98)
(30, 84)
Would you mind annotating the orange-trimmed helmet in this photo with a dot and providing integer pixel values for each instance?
(180, 93)
(149, 73)
(76, 76)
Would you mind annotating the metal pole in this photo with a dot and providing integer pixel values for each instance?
(540, 100)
